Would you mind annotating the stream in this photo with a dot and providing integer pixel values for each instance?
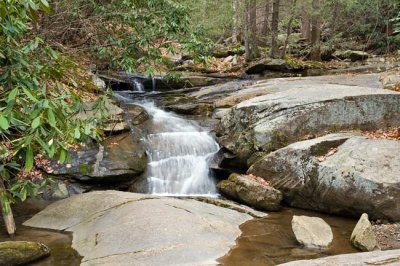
(180, 152)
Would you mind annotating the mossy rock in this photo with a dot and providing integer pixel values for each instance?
(21, 252)
(251, 192)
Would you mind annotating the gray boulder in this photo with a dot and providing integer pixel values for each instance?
(21, 252)
(363, 236)
(387, 258)
(116, 122)
(136, 114)
(275, 120)
(351, 55)
(118, 158)
(252, 192)
(341, 174)
(312, 232)
(391, 81)
(270, 65)
(118, 228)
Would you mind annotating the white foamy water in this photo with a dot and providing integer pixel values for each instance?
(137, 85)
(179, 153)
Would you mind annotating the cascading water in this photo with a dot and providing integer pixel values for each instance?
(137, 86)
(179, 153)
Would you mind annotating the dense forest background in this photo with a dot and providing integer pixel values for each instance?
(48, 51)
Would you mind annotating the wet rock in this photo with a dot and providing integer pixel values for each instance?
(390, 257)
(122, 81)
(248, 190)
(116, 228)
(220, 112)
(119, 158)
(339, 174)
(312, 232)
(225, 203)
(21, 252)
(136, 114)
(351, 55)
(191, 109)
(62, 189)
(269, 64)
(272, 121)
(363, 236)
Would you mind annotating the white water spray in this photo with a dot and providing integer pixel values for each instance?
(179, 153)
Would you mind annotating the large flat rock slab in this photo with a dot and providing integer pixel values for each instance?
(119, 228)
(234, 92)
(339, 173)
(272, 121)
(387, 258)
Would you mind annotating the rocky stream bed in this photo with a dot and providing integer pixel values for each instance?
(286, 143)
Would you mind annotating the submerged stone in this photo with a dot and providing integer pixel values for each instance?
(21, 252)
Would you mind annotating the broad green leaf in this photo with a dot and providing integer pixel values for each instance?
(63, 155)
(45, 6)
(29, 159)
(4, 123)
(77, 133)
(36, 122)
(12, 94)
(23, 194)
(51, 117)
(30, 96)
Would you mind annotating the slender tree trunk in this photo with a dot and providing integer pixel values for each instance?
(6, 210)
(274, 29)
(251, 46)
(265, 26)
(289, 30)
(306, 24)
(316, 32)
(235, 30)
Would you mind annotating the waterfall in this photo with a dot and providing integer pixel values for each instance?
(137, 86)
(179, 153)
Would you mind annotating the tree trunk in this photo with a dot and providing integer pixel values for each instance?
(306, 24)
(274, 29)
(235, 30)
(6, 210)
(289, 30)
(315, 54)
(265, 26)
(251, 46)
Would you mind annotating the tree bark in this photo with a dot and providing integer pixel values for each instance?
(265, 26)
(315, 54)
(235, 27)
(274, 29)
(305, 24)
(251, 45)
(6, 210)
(289, 30)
